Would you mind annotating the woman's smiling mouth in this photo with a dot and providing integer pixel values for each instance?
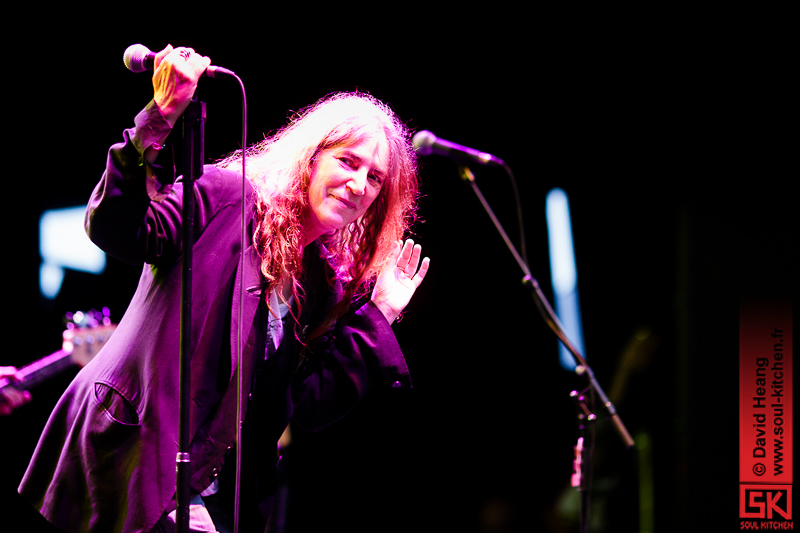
(344, 202)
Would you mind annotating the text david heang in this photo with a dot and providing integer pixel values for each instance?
(769, 401)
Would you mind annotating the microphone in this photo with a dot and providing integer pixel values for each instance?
(139, 58)
(426, 143)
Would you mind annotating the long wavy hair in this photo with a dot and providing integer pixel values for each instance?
(280, 169)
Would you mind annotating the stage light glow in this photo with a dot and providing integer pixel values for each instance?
(63, 244)
(563, 273)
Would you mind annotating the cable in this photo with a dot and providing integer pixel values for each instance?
(239, 355)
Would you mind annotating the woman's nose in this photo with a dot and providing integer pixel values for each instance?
(358, 182)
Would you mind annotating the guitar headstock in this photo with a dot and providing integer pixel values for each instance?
(83, 337)
(86, 333)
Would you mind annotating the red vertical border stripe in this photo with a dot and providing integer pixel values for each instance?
(765, 395)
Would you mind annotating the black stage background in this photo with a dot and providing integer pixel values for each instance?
(666, 145)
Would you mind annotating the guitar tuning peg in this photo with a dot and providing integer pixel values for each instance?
(91, 318)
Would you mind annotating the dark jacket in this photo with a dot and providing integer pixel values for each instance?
(106, 458)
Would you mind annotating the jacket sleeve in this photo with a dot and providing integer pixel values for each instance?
(131, 215)
(342, 367)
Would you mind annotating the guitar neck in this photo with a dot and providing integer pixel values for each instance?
(79, 347)
(42, 370)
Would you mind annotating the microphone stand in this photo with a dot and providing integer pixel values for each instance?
(583, 369)
(584, 459)
(193, 149)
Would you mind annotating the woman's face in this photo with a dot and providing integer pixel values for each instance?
(344, 183)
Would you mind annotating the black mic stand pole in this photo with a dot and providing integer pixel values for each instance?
(552, 320)
(193, 148)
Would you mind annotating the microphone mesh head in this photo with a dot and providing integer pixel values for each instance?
(134, 57)
(422, 141)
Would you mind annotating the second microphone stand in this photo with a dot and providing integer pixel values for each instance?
(583, 369)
